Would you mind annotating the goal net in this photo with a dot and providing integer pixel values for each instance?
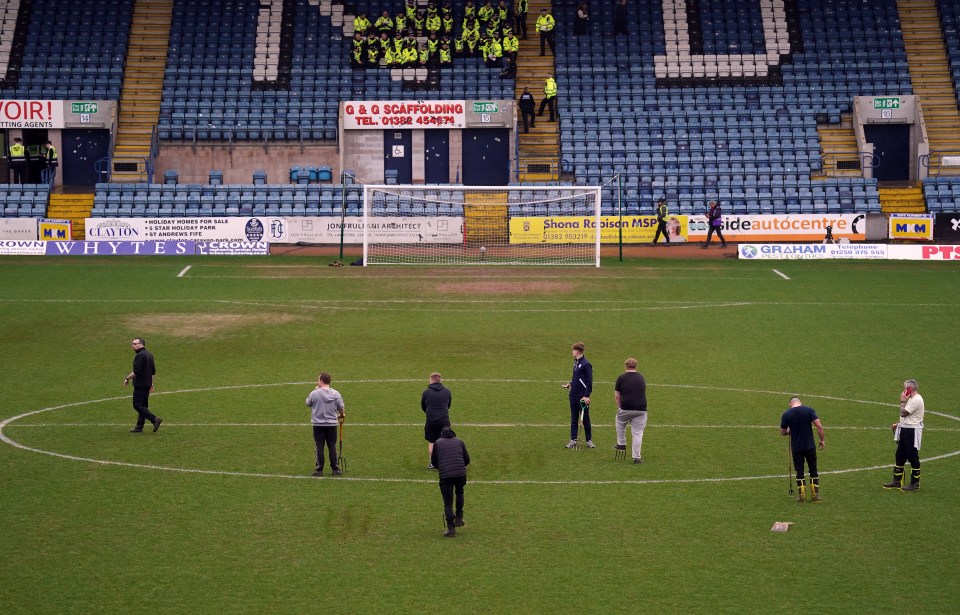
(481, 225)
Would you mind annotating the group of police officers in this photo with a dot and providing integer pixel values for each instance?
(18, 158)
(487, 32)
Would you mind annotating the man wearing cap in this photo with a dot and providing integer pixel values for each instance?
(451, 458)
(545, 24)
(549, 97)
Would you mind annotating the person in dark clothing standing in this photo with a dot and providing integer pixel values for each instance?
(620, 18)
(451, 458)
(714, 224)
(435, 403)
(630, 393)
(142, 378)
(662, 213)
(17, 157)
(527, 110)
(580, 385)
(796, 422)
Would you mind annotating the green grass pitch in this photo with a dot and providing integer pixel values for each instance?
(216, 513)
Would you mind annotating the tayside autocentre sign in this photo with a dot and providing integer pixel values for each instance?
(783, 227)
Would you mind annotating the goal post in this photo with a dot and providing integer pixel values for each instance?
(481, 225)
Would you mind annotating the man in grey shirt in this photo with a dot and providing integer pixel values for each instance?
(326, 406)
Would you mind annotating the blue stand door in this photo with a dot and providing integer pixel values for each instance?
(396, 155)
(486, 157)
(79, 153)
(436, 156)
(891, 145)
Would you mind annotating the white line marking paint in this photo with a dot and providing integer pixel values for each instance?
(781, 274)
(7, 422)
(184, 271)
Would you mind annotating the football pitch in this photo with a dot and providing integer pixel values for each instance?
(217, 511)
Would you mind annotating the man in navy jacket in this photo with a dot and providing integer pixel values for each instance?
(580, 385)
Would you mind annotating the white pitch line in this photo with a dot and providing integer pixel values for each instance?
(169, 423)
(184, 271)
(781, 274)
(6, 422)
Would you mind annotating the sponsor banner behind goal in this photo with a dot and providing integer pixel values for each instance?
(277, 229)
(583, 229)
(396, 229)
(806, 251)
(782, 227)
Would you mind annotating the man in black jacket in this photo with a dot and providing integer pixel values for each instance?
(435, 403)
(142, 378)
(527, 106)
(450, 456)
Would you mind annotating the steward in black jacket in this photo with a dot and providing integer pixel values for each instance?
(451, 458)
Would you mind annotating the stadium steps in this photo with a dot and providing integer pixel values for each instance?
(485, 218)
(838, 144)
(902, 201)
(539, 159)
(73, 207)
(930, 75)
(142, 83)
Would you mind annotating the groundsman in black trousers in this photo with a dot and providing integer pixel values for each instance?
(451, 458)
(141, 376)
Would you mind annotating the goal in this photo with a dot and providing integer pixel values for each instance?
(481, 225)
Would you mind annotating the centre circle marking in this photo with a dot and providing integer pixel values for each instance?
(11, 420)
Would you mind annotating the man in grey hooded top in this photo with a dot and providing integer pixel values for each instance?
(326, 405)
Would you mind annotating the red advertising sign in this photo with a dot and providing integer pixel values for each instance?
(31, 114)
(410, 114)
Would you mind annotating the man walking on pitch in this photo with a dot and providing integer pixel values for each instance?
(630, 392)
(662, 213)
(907, 434)
(796, 422)
(141, 376)
(326, 406)
(451, 458)
(580, 385)
(435, 403)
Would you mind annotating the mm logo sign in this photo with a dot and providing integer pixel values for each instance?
(911, 227)
(55, 230)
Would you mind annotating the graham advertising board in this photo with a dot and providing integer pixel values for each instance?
(783, 227)
(808, 251)
(583, 229)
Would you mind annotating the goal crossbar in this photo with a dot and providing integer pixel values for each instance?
(481, 225)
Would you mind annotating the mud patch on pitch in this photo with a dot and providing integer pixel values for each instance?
(202, 326)
(513, 287)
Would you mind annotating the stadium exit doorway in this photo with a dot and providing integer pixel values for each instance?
(398, 154)
(79, 152)
(486, 157)
(436, 156)
(891, 146)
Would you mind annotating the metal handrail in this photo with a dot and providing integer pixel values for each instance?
(934, 161)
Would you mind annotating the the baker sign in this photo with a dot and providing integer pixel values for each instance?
(31, 114)
(407, 114)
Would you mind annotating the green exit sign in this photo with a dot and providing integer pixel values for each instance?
(485, 107)
(83, 107)
(886, 103)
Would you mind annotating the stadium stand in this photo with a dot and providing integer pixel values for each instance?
(692, 139)
(212, 91)
(65, 50)
(24, 200)
(942, 194)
